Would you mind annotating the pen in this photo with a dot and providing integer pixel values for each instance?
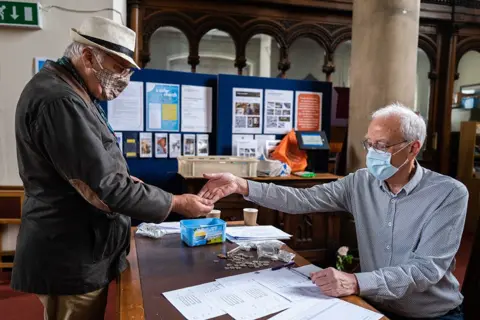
(301, 274)
(283, 266)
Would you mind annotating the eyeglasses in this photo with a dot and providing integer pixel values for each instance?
(120, 70)
(379, 146)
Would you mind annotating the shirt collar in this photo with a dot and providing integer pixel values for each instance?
(410, 186)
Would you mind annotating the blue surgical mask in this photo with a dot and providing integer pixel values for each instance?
(379, 165)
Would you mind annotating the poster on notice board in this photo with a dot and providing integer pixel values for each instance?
(163, 112)
(125, 113)
(308, 112)
(247, 110)
(278, 111)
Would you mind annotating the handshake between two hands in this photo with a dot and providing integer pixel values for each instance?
(219, 185)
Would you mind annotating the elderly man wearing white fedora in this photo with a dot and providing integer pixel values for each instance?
(79, 195)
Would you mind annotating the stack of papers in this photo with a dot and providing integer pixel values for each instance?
(330, 308)
(171, 227)
(256, 233)
(258, 294)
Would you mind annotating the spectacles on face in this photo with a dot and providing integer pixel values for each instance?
(117, 68)
(380, 147)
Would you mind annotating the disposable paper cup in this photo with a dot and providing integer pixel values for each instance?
(214, 214)
(250, 216)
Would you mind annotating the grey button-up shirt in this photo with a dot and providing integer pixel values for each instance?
(407, 242)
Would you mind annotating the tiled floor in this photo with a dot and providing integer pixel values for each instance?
(20, 306)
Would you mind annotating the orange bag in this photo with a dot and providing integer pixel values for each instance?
(288, 152)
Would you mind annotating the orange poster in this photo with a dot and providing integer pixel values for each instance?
(308, 111)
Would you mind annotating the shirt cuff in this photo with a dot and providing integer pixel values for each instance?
(367, 283)
(255, 191)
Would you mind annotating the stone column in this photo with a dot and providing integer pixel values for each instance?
(383, 64)
(265, 56)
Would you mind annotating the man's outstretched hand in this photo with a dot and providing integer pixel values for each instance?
(221, 185)
(191, 206)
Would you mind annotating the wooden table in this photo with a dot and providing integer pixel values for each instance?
(169, 266)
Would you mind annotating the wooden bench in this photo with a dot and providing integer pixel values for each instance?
(11, 201)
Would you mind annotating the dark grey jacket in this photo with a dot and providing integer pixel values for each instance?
(72, 240)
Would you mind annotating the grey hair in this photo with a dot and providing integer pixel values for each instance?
(413, 126)
(75, 49)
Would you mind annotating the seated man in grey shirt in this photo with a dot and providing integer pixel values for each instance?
(409, 220)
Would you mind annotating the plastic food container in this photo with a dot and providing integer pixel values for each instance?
(189, 166)
(199, 232)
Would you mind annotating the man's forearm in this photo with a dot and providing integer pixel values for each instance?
(292, 200)
(395, 282)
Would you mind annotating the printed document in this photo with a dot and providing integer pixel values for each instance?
(327, 309)
(248, 301)
(290, 285)
(126, 112)
(192, 302)
(196, 109)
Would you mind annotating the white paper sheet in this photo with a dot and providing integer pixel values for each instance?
(175, 145)
(119, 136)
(239, 137)
(146, 145)
(257, 233)
(189, 146)
(261, 143)
(125, 113)
(202, 145)
(290, 285)
(247, 110)
(155, 115)
(161, 145)
(278, 111)
(192, 302)
(247, 148)
(241, 279)
(170, 225)
(247, 302)
(196, 109)
(326, 309)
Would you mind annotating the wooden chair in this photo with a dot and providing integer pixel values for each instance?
(471, 282)
(11, 201)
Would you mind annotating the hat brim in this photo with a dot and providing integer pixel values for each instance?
(79, 38)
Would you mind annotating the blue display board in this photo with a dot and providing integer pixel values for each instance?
(156, 171)
(226, 85)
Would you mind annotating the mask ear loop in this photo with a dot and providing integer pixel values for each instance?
(406, 160)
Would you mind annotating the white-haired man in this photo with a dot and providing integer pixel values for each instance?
(409, 220)
(79, 195)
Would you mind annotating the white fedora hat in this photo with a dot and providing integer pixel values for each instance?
(107, 35)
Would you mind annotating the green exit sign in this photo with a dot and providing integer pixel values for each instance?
(20, 14)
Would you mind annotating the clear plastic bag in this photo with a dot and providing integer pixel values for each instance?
(151, 230)
(271, 250)
(285, 256)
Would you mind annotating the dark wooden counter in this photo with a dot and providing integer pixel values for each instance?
(160, 265)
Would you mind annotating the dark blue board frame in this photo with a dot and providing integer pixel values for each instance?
(226, 83)
(161, 172)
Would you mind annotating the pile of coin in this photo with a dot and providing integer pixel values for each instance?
(241, 260)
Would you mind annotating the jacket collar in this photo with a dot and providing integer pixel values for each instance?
(72, 80)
